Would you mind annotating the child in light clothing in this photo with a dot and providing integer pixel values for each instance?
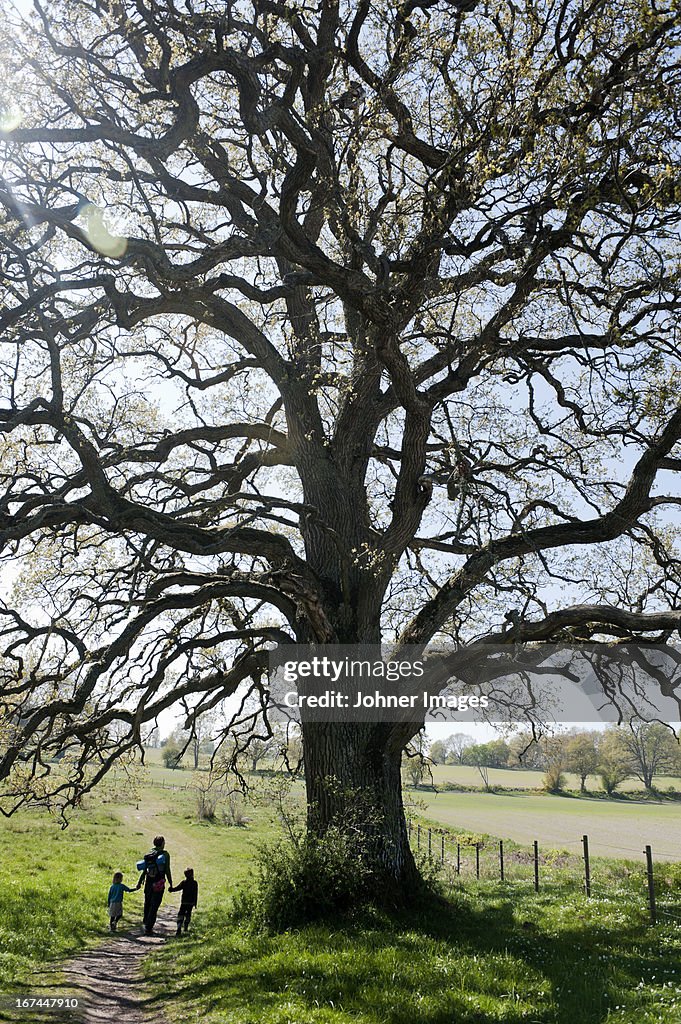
(116, 899)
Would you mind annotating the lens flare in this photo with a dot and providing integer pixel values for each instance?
(98, 234)
(10, 117)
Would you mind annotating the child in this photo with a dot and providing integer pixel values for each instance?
(190, 894)
(116, 899)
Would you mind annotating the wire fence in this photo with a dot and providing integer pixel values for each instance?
(657, 889)
(175, 788)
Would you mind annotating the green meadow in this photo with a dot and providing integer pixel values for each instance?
(443, 775)
(616, 828)
(473, 952)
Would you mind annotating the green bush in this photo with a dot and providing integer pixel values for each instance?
(612, 773)
(172, 754)
(554, 779)
(307, 877)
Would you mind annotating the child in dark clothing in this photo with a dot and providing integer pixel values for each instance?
(190, 894)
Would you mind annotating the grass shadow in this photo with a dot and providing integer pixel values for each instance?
(440, 962)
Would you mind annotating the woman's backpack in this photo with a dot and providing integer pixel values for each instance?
(155, 865)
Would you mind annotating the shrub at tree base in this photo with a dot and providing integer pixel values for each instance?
(306, 877)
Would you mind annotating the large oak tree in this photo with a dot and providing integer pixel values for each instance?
(326, 322)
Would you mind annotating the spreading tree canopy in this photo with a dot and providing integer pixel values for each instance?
(327, 323)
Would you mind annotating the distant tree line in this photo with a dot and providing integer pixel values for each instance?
(642, 751)
(248, 753)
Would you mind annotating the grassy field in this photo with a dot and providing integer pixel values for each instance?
(615, 828)
(54, 885)
(463, 775)
(482, 958)
(486, 955)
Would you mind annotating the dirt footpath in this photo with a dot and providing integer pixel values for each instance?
(107, 980)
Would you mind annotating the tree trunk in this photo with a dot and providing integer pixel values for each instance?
(353, 781)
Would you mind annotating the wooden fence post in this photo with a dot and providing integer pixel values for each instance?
(418, 837)
(430, 843)
(477, 860)
(536, 866)
(651, 885)
(501, 859)
(442, 850)
(458, 858)
(587, 866)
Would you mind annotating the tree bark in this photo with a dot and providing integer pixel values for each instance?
(353, 781)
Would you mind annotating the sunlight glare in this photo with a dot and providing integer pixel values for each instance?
(10, 117)
(99, 235)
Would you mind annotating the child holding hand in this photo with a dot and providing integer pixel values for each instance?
(190, 894)
(115, 900)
